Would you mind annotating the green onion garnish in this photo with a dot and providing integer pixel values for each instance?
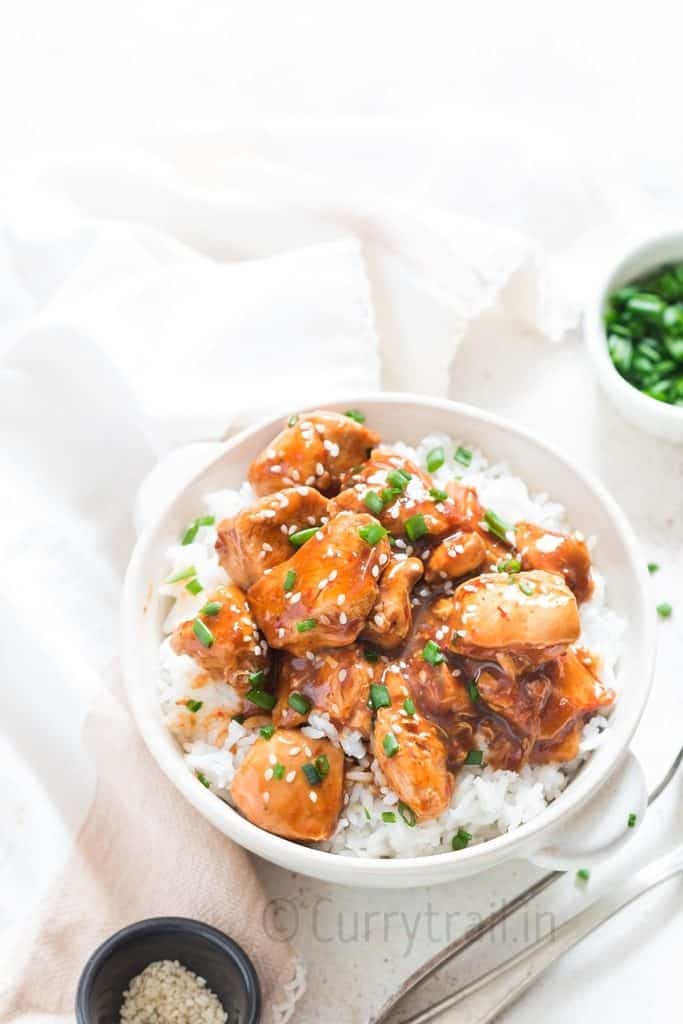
(372, 533)
(322, 765)
(278, 771)
(463, 456)
(583, 874)
(182, 574)
(399, 479)
(193, 705)
(355, 414)
(370, 655)
(632, 819)
(256, 678)
(373, 502)
(202, 632)
(194, 586)
(390, 744)
(379, 696)
(203, 779)
(312, 774)
(431, 652)
(409, 706)
(299, 703)
(461, 839)
(435, 459)
(475, 757)
(408, 814)
(290, 580)
(192, 530)
(211, 608)
(238, 718)
(389, 817)
(527, 587)
(266, 731)
(437, 494)
(416, 527)
(293, 420)
(389, 494)
(511, 565)
(366, 812)
(474, 692)
(305, 625)
(261, 698)
(652, 567)
(664, 610)
(498, 526)
(301, 536)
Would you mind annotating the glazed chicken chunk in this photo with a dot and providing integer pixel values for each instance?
(564, 553)
(322, 595)
(259, 537)
(532, 616)
(459, 555)
(291, 785)
(391, 616)
(336, 682)
(224, 639)
(315, 449)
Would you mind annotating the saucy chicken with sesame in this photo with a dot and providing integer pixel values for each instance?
(377, 616)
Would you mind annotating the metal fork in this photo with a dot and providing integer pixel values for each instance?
(665, 868)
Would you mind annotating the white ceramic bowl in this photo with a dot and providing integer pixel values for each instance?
(657, 418)
(588, 819)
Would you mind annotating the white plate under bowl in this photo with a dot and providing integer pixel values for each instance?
(607, 786)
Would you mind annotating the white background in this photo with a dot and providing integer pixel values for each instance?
(523, 114)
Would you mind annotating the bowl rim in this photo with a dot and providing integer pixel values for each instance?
(305, 858)
(596, 336)
(182, 926)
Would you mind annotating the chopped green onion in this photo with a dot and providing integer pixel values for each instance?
(389, 817)
(293, 420)
(475, 757)
(266, 731)
(373, 502)
(238, 718)
(512, 565)
(182, 574)
(474, 692)
(498, 526)
(261, 698)
(379, 696)
(202, 632)
(290, 580)
(409, 706)
(461, 839)
(527, 587)
(301, 536)
(372, 533)
(664, 610)
(435, 459)
(312, 774)
(416, 527)
(278, 771)
(390, 744)
(193, 705)
(389, 494)
(355, 414)
(256, 678)
(431, 652)
(652, 567)
(370, 655)
(193, 530)
(408, 814)
(437, 494)
(203, 779)
(632, 819)
(463, 456)
(399, 479)
(366, 812)
(305, 625)
(299, 703)
(651, 307)
(323, 765)
(194, 586)
(583, 874)
(211, 608)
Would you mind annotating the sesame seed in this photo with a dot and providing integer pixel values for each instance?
(333, 575)
(342, 675)
(319, 469)
(294, 751)
(343, 619)
(308, 752)
(383, 559)
(375, 571)
(276, 469)
(340, 599)
(272, 758)
(290, 776)
(268, 774)
(313, 797)
(266, 797)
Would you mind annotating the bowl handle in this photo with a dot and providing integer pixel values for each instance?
(601, 826)
(168, 476)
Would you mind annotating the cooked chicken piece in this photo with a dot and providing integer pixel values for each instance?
(412, 753)
(391, 617)
(316, 450)
(469, 514)
(564, 553)
(397, 492)
(532, 616)
(291, 785)
(519, 699)
(226, 642)
(441, 694)
(576, 693)
(332, 583)
(336, 681)
(456, 556)
(504, 748)
(258, 537)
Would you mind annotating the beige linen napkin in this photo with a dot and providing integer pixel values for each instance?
(142, 852)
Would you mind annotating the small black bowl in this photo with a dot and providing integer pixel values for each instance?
(209, 953)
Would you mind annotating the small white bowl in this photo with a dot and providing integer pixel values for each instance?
(587, 820)
(656, 418)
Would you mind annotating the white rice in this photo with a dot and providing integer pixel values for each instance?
(486, 802)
